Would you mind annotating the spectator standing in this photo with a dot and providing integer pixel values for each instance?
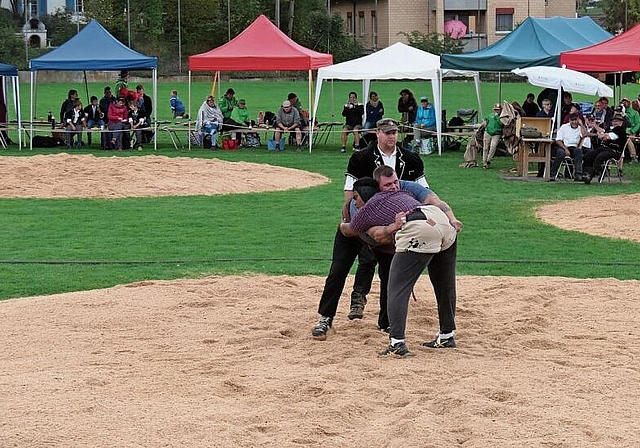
(352, 112)
(492, 134)
(147, 102)
(547, 109)
(374, 111)
(297, 105)
(407, 106)
(105, 102)
(529, 106)
(67, 105)
(632, 131)
(602, 112)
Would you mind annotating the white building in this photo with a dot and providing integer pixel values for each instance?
(37, 8)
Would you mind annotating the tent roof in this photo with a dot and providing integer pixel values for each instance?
(566, 79)
(8, 70)
(618, 54)
(260, 47)
(536, 42)
(93, 48)
(399, 61)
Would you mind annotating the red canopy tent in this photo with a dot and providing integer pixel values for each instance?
(260, 47)
(618, 54)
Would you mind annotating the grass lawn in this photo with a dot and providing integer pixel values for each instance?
(75, 244)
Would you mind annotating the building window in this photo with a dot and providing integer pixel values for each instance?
(374, 30)
(504, 20)
(361, 23)
(80, 6)
(33, 9)
(350, 23)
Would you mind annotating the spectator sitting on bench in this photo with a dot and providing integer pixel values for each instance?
(74, 122)
(137, 121)
(209, 120)
(297, 105)
(352, 112)
(425, 120)
(288, 120)
(95, 117)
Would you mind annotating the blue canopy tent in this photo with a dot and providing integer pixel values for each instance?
(9, 72)
(94, 49)
(536, 42)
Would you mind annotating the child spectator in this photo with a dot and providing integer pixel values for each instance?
(94, 115)
(74, 122)
(177, 106)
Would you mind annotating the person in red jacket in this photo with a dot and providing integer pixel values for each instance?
(118, 116)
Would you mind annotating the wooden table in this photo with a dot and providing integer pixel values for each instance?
(534, 150)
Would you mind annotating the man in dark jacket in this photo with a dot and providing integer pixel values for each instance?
(408, 166)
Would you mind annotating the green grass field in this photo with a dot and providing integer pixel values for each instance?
(63, 245)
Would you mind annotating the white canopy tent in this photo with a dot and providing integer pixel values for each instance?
(399, 61)
(562, 78)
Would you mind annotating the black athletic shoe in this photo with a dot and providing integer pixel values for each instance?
(440, 342)
(322, 328)
(400, 350)
(358, 301)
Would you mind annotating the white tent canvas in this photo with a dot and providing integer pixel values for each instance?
(566, 79)
(399, 61)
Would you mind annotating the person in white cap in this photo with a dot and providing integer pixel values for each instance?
(288, 120)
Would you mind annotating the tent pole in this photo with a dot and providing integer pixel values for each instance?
(31, 110)
(16, 106)
(190, 115)
(154, 75)
(86, 86)
(310, 125)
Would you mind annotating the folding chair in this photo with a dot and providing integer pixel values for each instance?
(469, 116)
(566, 169)
(609, 165)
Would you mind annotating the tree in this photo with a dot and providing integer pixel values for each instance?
(434, 43)
(326, 34)
(12, 50)
(619, 15)
(59, 26)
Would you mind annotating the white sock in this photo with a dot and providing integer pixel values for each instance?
(445, 335)
(395, 341)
